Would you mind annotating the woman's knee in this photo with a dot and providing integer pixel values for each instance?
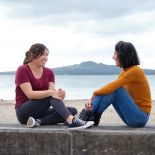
(99, 98)
(72, 110)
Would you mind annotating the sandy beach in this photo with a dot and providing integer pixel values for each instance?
(8, 116)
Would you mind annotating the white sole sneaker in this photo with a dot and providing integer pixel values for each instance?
(31, 122)
(87, 125)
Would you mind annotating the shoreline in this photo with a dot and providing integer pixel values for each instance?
(3, 101)
(8, 114)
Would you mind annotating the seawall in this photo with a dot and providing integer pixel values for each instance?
(112, 139)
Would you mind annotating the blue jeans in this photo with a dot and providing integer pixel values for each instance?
(124, 105)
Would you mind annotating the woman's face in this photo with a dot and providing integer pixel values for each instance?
(116, 59)
(41, 60)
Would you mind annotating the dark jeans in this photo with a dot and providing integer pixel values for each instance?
(49, 110)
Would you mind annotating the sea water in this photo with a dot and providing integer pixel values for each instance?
(76, 86)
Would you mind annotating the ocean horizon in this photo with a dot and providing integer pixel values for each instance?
(76, 86)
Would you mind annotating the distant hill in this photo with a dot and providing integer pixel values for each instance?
(87, 68)
(7, 73)
(92, 68)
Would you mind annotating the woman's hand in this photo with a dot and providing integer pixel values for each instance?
(56, 95)
(61, 93)
(88, 105)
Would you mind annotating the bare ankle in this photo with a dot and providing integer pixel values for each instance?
(69, 119)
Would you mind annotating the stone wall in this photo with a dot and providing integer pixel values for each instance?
(58, 140)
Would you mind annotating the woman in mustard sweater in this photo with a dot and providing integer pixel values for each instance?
(129, 93)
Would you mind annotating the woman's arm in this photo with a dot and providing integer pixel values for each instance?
(31, 94)
(130, 76)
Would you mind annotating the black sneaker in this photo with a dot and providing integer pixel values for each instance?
(85, 115)
(96, 118)
(78, 124)
(32, 122)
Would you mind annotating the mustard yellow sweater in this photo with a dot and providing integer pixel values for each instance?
(135, 82)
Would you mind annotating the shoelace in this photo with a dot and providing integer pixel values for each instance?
(79, 121)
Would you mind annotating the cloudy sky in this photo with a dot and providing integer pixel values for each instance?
(75, 30)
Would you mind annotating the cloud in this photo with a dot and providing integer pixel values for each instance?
(77, 9)
(102, 17)
(77, 30)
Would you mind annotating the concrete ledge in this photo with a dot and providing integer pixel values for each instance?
(16, 139)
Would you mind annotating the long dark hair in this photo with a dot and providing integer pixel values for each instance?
(35, 51)
(127, 54)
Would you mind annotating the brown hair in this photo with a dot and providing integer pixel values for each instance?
(35, 51)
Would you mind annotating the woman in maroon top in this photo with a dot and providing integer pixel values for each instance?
(37, 100)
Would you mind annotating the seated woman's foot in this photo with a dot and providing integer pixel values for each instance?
(32, 123)
(85, 115)
(78, 124)
(96, 118)
(88, 115)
